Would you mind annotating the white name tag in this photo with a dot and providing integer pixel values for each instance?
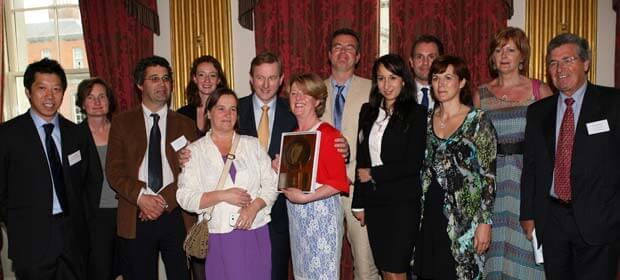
(597, 127)
(179, 143)
(75, 158)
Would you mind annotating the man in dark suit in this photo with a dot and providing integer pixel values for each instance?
(570, 190)
(141, 166)
(266, 115)
(45, 174)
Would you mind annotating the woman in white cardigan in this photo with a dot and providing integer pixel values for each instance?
(239, 246)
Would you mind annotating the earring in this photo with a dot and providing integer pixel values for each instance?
(520, 66)
(494, 67)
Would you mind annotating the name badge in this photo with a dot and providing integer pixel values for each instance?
(597, 127)
(74, 158)
(179, 143)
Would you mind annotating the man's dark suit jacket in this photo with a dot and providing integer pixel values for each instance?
(402, 153)
(126, 148)
(284, 121)
(25, 187)
(595, 170)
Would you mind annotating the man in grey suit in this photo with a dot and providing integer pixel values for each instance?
(346, 94)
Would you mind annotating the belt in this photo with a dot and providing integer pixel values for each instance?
(563, 203)
(510, 148)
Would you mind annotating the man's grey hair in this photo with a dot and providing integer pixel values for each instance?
(585, 53)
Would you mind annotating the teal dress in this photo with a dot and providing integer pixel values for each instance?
(511, 254)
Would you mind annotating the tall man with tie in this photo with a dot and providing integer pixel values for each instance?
(424, 50)
(141, 166)
(266, 115)
(570, 185)
(45, 174)
(346, 93)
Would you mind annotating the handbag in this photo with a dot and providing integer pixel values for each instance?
(196, 241)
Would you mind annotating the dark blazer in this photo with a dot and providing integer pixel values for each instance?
(284, 121)
(94, 195)
(595, 169)
(402, 153)
(127, 145)
(25, 192)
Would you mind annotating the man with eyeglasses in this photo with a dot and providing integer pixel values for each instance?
(346, 93)
(570, 185)
(142, 167)
(424, 50)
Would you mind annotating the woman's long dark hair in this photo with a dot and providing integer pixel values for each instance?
(406, 99)
(191, 91)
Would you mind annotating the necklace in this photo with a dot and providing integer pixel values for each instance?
(444, 123)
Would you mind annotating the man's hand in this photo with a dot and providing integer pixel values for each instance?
(151, 206)
(359, 215)
(183, 156)
(342, 146)
(364, 174)
(275, 163)
(528, 227)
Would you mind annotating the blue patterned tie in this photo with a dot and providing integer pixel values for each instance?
(339, 107)
(424, 101)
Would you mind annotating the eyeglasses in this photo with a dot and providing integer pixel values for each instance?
(157, 79)
(347, 48)
(565, 61)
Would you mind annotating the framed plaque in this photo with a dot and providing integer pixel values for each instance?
(299, 155)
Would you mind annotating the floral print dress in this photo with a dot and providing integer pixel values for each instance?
(464, 166)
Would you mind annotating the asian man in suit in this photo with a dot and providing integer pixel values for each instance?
(45, 176)
(141, 166)
(570, 185)
(266, 115)
(346, 93)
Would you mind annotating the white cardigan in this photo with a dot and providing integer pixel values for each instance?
(202, 172)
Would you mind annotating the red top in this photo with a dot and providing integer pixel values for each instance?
(332, 170)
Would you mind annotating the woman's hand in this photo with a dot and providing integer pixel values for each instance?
(359, 215)
(296, 195)
(246, 216)
(236, 196)
(275, 163)
(482, 238)
(364, 174)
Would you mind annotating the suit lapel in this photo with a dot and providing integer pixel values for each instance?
(249, 119)
(171, 132)
(140, 135)
(548, 126)
(590, 111)
(329, 103)
(277, 128)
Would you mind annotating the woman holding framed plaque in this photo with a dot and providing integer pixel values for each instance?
(391, 142)
(315, 218)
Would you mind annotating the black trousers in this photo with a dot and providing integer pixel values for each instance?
(164, 235)
(567, 255)
(104, 262)
(62, 260)
(280, 240)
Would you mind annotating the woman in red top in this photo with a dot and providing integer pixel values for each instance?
(315, 219)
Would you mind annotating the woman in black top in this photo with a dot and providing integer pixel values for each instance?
(391, 141)
(207, 76)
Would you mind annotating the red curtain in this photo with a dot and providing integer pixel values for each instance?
(299, 32)
(464, 26)
(115, 42)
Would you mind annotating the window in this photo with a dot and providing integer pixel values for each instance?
(45, 53)
(37, 29)
(78, 58)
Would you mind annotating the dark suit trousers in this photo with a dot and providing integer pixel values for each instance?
(164, 235)
(567, 256)
(104, 262)
(63, 259)
(280, 242)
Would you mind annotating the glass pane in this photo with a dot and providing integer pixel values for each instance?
(73, 50)
(67, 2)
(22, 100)
(26, 4)
(36, 36)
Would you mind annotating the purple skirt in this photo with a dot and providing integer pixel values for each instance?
(239, 254)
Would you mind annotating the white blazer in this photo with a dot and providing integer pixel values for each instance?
(202, 172)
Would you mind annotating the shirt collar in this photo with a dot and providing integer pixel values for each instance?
(258, 104)
(577, 96)
(39, 122)
(163, 112)
(347, 84)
